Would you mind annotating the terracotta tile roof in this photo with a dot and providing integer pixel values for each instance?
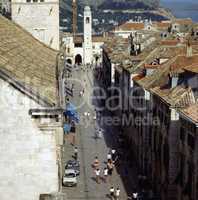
(128, 26)
(167, 52)
(191, 112)
(192, 68)
(177, 97)
(27, 60)
(151, 66)
(138, 77)
(98, 39)
(186, 21)
(162, 24)
(182, 61)
(170, 42)
(158, 77)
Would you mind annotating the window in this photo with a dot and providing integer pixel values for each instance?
(28, 1)
(41, 0)
(87, 20)
(35, 1)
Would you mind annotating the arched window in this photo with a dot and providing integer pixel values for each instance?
(87, 20)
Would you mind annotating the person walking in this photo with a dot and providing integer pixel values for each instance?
(112, 191)
(109, 157)
(135, 195)
(110, 166)
(105, 174)
(97, 172)
(96, 163)
(113, 155)
(76, 153)
(117, 193)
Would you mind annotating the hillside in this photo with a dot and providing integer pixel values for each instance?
(111, 4)
(109, 13)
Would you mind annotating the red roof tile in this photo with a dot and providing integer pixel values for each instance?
(128, 26)
(191, 112)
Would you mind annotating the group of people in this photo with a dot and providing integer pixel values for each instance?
(108, 169)
(114, 194)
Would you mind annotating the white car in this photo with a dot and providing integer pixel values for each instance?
(70, 178)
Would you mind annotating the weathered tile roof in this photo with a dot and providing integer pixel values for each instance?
(183, 61)
(129, 26)
(191, 112)
(164, 52)
(192, 68)
(118, 51)
(162, 24)
(158, 77)
(176, 97)
(27, 60)
(186, 21)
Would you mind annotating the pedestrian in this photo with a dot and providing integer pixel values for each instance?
(113, 155)
(109, 157)
(135, 195)
(99, 133)
(96, 163)
(105, 174)
(81, 93)
(73, 133)
(88, 115)
(76, 153)
(117, 193)
(97, 172)
(112, 193)
(110, 166)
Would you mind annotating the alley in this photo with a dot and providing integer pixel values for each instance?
(89, 146)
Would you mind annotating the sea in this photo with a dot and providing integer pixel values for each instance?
(182, 8)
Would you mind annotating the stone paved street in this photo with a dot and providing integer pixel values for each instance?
(89, 147)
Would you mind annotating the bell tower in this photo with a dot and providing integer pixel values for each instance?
(87, 46)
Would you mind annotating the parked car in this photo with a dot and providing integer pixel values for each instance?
(70, 178)
(73, 164)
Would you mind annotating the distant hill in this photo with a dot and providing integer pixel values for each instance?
(107, 20)
(114, 4)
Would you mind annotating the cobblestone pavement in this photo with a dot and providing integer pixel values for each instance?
(89, 147)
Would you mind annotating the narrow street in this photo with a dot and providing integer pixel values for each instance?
(89, 147)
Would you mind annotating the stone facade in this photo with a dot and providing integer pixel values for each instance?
(40, 18)
(28, 151)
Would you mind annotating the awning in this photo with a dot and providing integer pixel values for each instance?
(70, 109)
(67, 128)
(71, 112)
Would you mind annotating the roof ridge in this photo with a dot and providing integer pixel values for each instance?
(17, 26)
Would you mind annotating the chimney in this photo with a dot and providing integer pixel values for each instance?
(174, 80)
(189, 50)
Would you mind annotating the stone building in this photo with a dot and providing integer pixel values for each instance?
(30, 120)
(171, 87)
(187, 178)
(38, 17)
(86, 48)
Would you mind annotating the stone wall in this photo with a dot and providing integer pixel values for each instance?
(28, 156)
